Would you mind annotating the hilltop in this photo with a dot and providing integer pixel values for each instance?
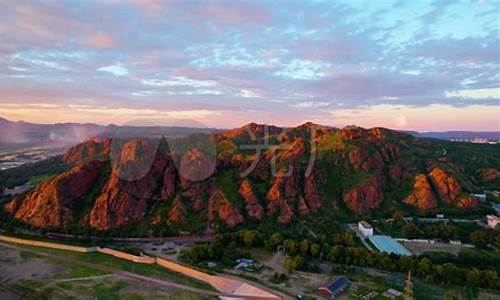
(354, 172)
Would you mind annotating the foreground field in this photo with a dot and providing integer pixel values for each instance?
(24, 274)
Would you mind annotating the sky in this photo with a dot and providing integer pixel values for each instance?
(419, 65)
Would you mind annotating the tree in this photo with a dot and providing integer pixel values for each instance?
(249, 237)
(474, 277)
(290, 247)
(497, 241)
(274, 241)
(409, 230)
(290, 264)
(424, 267)
(479, 238)
(304, 247)
(314, 250)
(398, 215)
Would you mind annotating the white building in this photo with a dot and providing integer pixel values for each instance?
(480, 197)
(365, 229)
(493, 221)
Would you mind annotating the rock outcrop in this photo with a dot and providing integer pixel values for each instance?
(355, 165)
(122, 200)
(219, 206)
(52, 204)
(364, 197)
(254, 209)
(447, 186)
(422, 196)
(488, 174)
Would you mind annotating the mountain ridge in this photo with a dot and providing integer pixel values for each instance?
(357, 170)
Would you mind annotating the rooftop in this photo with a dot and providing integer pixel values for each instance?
(387, 244)
(365, 224)
(336, 283)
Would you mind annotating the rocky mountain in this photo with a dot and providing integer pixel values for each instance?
(254, 173)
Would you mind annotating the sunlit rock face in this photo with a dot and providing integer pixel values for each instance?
(311, 168)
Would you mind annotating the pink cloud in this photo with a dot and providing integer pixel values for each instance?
(234, 13)
(100, 40)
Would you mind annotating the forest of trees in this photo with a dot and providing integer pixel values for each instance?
(472, 268)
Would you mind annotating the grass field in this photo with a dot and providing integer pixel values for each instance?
(34, 276)
(142, 269)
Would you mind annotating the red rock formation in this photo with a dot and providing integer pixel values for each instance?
(467, 201)
(365, 197)
(361, 160)
(303, 209)
(446, 185)
(488, 175)
(169, 181)
(122, 201)
(422, 196)
(254, 209)
(220, 206)
(395, 173)
(88, 150)
(196, 165)
(176, 214)
(277, 200)
(350, 133)
(51, 204)
(312, 193)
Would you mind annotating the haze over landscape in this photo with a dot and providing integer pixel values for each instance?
(260, 150)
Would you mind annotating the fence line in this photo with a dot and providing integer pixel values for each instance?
(222, 284)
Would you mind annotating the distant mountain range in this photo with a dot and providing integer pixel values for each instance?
(20, 134)
(25, 134)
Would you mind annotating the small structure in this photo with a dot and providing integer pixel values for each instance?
(385, 243)
(480, 197)
(439, 216)
(248, 265)
(365, 229)
(496, 207)
(493, 221)
(333, 288)
(392, 294)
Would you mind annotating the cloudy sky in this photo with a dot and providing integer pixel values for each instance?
(399, 64)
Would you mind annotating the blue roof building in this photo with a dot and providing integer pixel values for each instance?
(387, 244)
(336, 286)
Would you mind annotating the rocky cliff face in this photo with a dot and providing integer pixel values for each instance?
(52, 204)
(422, 196)
(88, 150)
(122, 201)
(219, 206)
(365, 197)
(355, 165)
(254, 209)
(488, 174)
(447, 188)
